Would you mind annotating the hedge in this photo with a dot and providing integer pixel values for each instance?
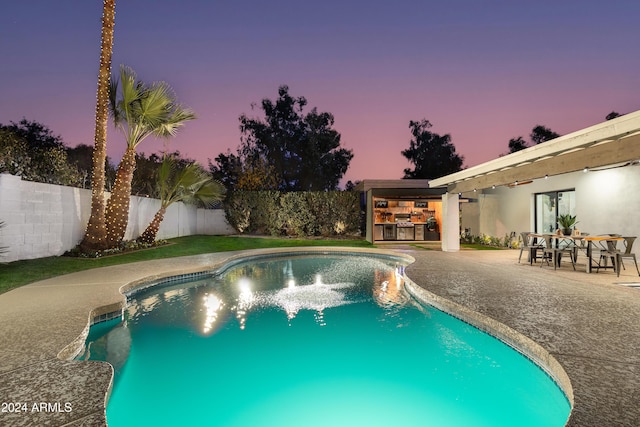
(300, 214)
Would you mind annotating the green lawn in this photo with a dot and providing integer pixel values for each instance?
(20, 273)
(480, 247)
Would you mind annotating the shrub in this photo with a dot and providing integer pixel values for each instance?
(299, 214)
(508, 241)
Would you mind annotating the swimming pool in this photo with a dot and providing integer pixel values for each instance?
(313, 340)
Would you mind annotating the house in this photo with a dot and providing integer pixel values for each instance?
(593, 173)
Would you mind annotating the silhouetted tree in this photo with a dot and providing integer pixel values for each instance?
(301, 151)
(517, 144)
(82, 157)
(350, 185)
(249, 172)
(540, 134)
(433, 155)
(36, 135)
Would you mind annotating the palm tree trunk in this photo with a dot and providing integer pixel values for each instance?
(117, 213)
(149, 235)
(96, 231)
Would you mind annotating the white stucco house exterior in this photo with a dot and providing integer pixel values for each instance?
(593, 173)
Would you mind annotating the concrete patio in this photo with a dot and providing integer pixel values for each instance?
(587, 322)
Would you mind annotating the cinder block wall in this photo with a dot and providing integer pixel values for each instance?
(46, 220)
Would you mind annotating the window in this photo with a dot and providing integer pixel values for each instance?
(550, 205)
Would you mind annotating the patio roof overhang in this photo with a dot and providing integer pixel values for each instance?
(612, 143)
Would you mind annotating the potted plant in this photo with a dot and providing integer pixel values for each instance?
(566, 223)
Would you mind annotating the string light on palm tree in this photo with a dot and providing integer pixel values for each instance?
(95, 233)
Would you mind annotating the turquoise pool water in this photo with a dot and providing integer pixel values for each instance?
(312, 341)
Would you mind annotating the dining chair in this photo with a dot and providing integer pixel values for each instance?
(554, 253)
(530, 246)
(628, 242)
(610, 253)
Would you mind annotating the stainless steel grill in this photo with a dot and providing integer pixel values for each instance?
(403, 220)
(405, 224)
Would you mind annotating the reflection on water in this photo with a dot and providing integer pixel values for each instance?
(276, 285)
(212, 304)
(388, 288)
(288, 285)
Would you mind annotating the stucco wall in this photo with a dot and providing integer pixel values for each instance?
(607, 201)
(45, 220)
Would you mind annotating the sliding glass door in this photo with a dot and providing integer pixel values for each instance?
(550, 205)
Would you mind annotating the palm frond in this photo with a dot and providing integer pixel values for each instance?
(165, 184)
(192, 184)
(114, 110)
(143, 110)
(210, 193)
(176, 118)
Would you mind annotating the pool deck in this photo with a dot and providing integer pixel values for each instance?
(590, 323)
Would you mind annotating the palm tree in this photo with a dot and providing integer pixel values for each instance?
(191, 184)
(96, 231)
(140, 111)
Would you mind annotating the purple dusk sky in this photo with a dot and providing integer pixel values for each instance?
(481, 71)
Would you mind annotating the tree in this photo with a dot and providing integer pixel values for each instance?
(31, 150)
(14, 153)
(517, 144)
(432, 155)
(244, 172)
(96, 231)
(540, 134)
(81, 156)
(145, 176)
(226, 168)
(350, 185)
(302, 150)
(191, 184)
(36, 135)
(146, 173)
(140, 111)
